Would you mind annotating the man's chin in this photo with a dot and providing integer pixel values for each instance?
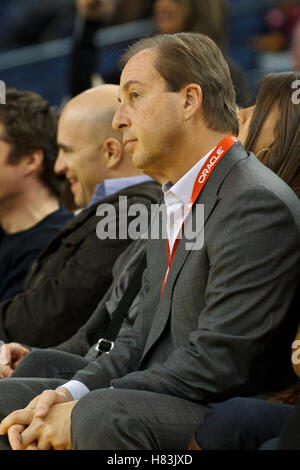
(139, 161)
(79, 201)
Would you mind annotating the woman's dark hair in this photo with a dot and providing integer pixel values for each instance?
(30, 124)
(283, 156)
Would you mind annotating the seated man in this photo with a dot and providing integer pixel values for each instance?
(64, 360)
(30, 214)
(72, 274)
(215, 312)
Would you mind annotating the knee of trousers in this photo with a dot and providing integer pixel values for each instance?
(101, 421)
(36, 359)
(38, 363)
(240, 423)
(232, 415)
(10, 397)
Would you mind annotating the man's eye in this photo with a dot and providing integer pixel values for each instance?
(134, 95)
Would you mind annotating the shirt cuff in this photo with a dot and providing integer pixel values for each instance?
(76, 388)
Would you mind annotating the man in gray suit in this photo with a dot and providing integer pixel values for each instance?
(216, 316)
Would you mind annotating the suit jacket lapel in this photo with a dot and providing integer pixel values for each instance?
(208, 198)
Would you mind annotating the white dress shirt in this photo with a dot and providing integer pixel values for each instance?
(177, 198)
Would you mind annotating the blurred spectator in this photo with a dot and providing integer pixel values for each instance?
(170, 16)
(30, 214)
(279, 23)
(209, 17)
(295, 46)
(32, 22)
(97, 10)
(92, 16)
(115, 11)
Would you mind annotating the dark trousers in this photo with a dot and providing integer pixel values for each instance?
(242, 424)
(48, 363)
(15, 394)
(289, 438)
(119, 419)
(113, 419)
(107, 419)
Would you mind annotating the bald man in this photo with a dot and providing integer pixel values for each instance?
(70, 277)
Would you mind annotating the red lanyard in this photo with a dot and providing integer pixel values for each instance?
(203, 175)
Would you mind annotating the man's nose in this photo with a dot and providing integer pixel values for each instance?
(120, 120)
(60, 166)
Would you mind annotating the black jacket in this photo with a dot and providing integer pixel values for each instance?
(83, 341)
(69, 278)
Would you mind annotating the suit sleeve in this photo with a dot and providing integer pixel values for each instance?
(124, 357)
(254, 272)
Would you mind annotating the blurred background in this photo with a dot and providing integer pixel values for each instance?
(58, 48)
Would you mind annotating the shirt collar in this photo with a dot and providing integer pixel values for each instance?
(184, 187)
(114, 185)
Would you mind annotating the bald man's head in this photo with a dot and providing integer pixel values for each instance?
(92, 111)
(89, 149)
(103, 96)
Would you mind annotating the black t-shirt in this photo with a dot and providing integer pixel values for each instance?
(18, 250)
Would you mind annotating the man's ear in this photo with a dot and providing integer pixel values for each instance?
(33, 162)
(113, 152)
(193, 98)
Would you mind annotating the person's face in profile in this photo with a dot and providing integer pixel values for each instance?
(80, 158)
(295, 47)
(267, 134)
(13, 175)
(149, 115)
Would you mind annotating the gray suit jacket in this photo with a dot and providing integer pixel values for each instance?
(227, 317)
